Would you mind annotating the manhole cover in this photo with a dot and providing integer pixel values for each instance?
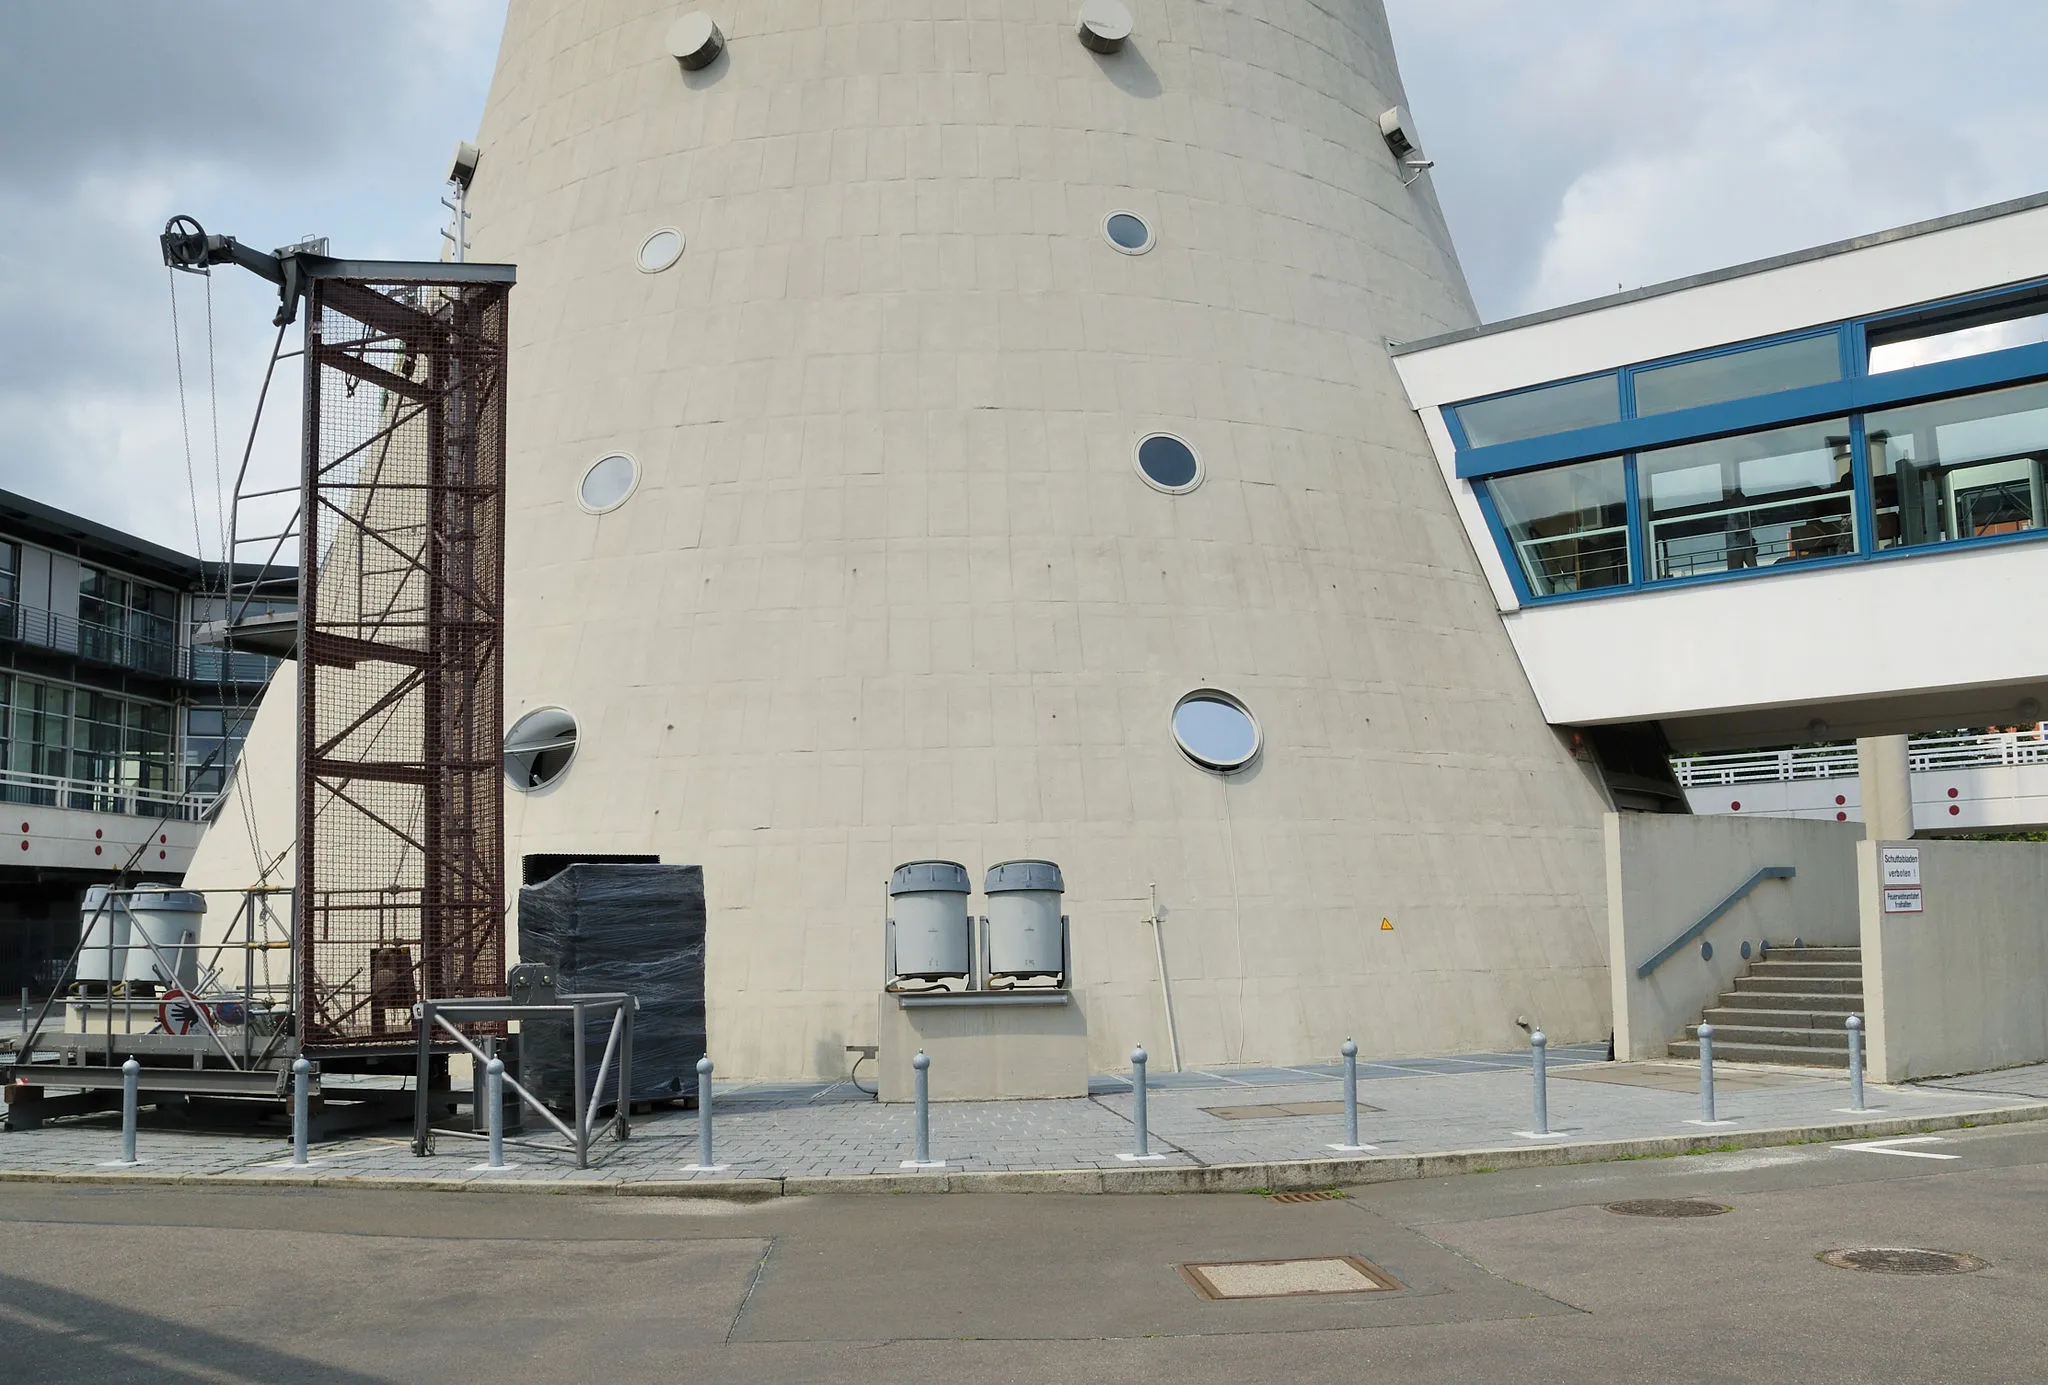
(1330, 1274)
(1668, 1207)
(1903, 1260)
(1316, 1195)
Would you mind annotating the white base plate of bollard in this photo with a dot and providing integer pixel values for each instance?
(1854, 1111)
(486, 1168)
(1696, 1121)
(706, 1168)
(287, 1164)
(1354, 1149)
(1130, 1158)
(927, 1164)
(123, 1164)
(1544, 1135)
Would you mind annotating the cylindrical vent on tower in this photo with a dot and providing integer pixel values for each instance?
(1024, 932)
(928, 904)
(1105, 24)
(695, 40)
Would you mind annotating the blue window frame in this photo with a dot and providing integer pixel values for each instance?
(1711, 451)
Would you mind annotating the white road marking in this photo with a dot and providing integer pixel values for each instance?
(1890, 1147)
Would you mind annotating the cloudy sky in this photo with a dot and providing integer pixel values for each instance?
(1580, 145)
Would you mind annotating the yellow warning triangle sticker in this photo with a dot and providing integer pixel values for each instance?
(1386, 925)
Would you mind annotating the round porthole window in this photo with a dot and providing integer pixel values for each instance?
(539, 747)
(1215, 730)
(1128, 232)
(660, 250)
(1168, 464)
(608, 483)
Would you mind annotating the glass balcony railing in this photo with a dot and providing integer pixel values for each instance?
(98, 644)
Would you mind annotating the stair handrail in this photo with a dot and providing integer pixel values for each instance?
(1707, 920)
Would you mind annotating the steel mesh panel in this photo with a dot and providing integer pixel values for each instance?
(400, 811)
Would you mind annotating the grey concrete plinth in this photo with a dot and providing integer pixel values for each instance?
(984, 1046)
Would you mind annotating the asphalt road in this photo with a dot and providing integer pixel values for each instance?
(1511, 1277)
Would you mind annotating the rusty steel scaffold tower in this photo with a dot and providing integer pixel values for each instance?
(399, 889)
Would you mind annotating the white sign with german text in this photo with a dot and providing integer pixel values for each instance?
(1901, 865)
(1904, 900)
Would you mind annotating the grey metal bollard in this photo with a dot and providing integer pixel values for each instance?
(1350, 1052)
(302, 1083)
(494, 1093)
(1539, 1067)
(1855, 1024)
(1707, 1074)
(921, 1074)
(1142, 1149)
(704, 1113)
(131, 1083)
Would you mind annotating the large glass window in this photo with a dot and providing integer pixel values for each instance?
(1535, 413)
(1785, 365)
(1761, 499)
(126, 622)
(1568, 525)
(1954, 333)
(35, 738)
(1959, 468)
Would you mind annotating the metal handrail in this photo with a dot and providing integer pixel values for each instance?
(1964, 750)
(101, 644)
(1735, 896)
(97, 796)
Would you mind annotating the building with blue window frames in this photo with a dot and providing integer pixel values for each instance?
(1794, 500)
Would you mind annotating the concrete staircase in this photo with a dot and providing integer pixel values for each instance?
(1787, 1008)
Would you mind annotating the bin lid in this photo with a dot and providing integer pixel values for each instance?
(915, 877)
(171, 901)
(1006, 877)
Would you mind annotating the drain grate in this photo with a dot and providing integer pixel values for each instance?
(1280, 1110)
(1314, 1195)
(1668, 1207)
(1903, 1260)
(1328, 1274)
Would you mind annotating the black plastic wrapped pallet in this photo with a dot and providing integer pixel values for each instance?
(614, 927)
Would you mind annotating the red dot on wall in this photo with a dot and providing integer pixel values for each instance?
(1841, 817)
(98, 832)
(24, 827)
(164, 839)
(1736, 806)
(163, 855)
(1952, 793)
(1954, 811)
(24, 846)
(97, 850)
(1839, 800)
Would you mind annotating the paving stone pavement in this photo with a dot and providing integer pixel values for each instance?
(1423, 1106)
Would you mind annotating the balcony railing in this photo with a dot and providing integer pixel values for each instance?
(1968, 750)
(31, 625)
(88, 796)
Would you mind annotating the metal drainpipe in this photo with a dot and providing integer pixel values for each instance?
(1165, 987)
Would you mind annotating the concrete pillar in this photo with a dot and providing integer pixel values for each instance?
(1887, 788)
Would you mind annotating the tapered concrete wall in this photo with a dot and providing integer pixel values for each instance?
(1665, 872)
(1957, 987)
(890, 586)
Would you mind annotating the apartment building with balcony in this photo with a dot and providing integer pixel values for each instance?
(117, 727)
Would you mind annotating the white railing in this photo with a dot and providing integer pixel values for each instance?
(88, 796)
(1967, 750)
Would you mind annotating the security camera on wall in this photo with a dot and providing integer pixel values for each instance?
(462, 167)
(1397, 128)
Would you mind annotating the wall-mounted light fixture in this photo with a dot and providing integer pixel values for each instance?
(1397, 128)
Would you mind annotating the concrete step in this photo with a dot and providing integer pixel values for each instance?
(1783, 1036)
(1816, 954)
(1789, 1055)
(1798, 985)
(1776, 966)
(1839, 1003)
(1775, 1018)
